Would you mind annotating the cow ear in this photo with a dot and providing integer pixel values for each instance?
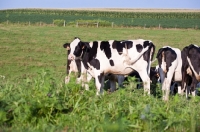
(66, 45)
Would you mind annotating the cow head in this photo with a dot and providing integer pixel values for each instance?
(77, 48)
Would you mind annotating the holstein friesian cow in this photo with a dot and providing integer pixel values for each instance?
(170, 64)
(191, 68)
(77, 67)
(117, 57)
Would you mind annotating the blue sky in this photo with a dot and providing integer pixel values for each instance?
(174, 4)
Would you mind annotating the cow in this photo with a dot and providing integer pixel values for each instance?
(170, 65)
(191, 68)
(77, 67)
(117, 57)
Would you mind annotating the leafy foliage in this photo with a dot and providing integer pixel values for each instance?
(42, 103)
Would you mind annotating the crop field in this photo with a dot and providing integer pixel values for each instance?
(33, 96)
(120, 17)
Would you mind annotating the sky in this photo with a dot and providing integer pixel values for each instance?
(168, 4)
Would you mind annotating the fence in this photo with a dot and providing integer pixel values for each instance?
(95, 24)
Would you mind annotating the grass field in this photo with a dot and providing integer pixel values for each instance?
(33, 96)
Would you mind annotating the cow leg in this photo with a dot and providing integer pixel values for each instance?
(172, 88)
(146, 80)
(99, 82)
(187, 91)
(112, 85)
(166, 84)
(193, 86)
(120, 79)
(180, 90)
(162, 75)
(112, 81)
(89, 77)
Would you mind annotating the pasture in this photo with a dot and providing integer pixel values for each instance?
(33, 96)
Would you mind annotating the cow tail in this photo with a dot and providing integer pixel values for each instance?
(151, 54)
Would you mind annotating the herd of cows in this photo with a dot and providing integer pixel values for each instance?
(115, 60)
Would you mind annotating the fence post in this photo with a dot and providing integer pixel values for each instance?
(76, 24)
(112, 24)
(64, 24)
(97, 24)
(144, 26)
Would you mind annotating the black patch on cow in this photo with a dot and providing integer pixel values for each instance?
(146, 43)
(139, 47)
(105, 46)
(79, 49)
(111, 62)
(127, 44)
(148, 52)
(95, 63)
(169, 56)
(119, 45)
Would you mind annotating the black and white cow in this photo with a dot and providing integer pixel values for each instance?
(117, 57)
(191, 68)
(77, 67)
(170, 64)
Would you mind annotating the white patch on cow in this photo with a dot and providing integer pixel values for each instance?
(73, 44)
(195, 73)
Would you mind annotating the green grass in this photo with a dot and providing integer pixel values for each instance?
(33, 96)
